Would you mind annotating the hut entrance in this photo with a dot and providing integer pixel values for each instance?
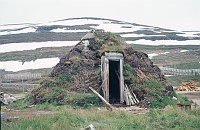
(114, 81)
(112, 77)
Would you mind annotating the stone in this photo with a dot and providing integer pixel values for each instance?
(90, 127)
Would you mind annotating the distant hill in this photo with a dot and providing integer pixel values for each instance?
(73, 29)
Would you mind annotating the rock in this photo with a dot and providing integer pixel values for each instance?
(169, 90)
(90, 127)
(8, 98)
(174, 98)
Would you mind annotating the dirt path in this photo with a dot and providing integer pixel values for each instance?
(133, 109)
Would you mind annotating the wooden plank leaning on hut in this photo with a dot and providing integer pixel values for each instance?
(106, 103)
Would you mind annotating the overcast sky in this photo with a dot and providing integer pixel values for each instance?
(172, 14)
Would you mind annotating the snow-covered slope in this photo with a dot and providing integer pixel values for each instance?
(78, 26)
(67, 32)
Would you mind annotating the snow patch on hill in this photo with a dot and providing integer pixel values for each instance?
(37, 64)
(64, 30)
(164, 42)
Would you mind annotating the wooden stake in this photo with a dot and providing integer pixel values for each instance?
(107, 103)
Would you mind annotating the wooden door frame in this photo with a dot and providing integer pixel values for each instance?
(105, 73)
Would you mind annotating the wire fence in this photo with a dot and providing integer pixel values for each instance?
(21, 76)
(17, 87)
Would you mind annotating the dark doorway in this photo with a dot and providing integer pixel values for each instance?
(114, 83)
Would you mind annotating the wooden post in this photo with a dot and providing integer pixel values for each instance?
(107, 103)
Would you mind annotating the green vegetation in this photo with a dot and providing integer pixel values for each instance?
(71, 119)
(110, 41)
(165, 47)
(19, 104)
(113, 49)
(176, 80)
(40, 37)
(58, 81)
(56, 91)
(186, 66)
(28, 55)
(176, 58)
(128, 74)
(183, 100)
(72, 100)
(103, 37)
(51, 90)
(157, 95)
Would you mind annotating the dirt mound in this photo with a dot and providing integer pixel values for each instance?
(83, 62)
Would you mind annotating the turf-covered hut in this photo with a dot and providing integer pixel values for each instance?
(105, 62)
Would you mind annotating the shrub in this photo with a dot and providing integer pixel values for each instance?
(162, 101)
(128, 74)
(183, 100)
(60, 81)
(104, 38)
(156, 94)
(86, 101)
(51, 90)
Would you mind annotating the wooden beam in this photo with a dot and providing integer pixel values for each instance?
(107, 103)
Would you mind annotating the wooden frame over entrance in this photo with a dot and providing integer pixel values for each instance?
(112, 77)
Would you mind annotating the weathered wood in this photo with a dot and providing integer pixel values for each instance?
(134, 95)
(132, 99)
(129, 97)
(112, 56)
(121, 77)
(106, 78)
(107, 103)
(126, 97)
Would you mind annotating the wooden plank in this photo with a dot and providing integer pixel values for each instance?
(107, 79)
(131, 96)
(134, 96)
(107, 103)
(121, 78)
(126, 97)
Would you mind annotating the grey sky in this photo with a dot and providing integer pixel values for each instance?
(174, 14)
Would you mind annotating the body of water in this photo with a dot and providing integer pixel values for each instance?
(37, 64)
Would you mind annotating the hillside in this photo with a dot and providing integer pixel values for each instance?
(73, 29)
